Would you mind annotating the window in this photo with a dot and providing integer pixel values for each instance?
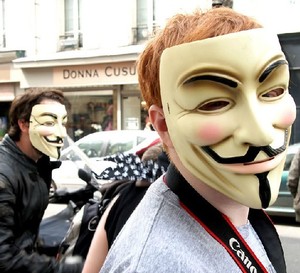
(73, 15)
(2, 24)
(145, 19)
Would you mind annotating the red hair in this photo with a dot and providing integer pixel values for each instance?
(185, 28)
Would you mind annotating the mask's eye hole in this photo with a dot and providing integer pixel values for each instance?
(274, 93)
(49, 123)
(216, 105)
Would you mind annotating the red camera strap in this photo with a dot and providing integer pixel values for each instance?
(223, 231)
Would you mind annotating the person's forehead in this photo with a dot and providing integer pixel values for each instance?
(234, 54)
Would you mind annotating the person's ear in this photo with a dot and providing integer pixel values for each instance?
(24, 125)
(158, 121)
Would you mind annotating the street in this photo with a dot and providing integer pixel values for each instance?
(53, 209)
(289, 233)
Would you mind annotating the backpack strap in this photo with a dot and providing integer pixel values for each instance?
(92, 213)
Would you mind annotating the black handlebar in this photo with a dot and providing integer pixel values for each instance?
(80, 196)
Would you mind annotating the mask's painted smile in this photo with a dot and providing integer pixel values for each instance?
(248, 165)
(58, 140)
(251, 154)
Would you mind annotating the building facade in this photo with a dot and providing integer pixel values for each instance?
(89, 48)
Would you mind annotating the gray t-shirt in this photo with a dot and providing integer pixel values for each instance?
(160, 236)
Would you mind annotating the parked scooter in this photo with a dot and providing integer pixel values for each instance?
(54, 228)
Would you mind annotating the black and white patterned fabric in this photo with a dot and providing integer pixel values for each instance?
(131, 167)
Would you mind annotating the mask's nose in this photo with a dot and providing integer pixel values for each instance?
(61, 131)
(256, 127)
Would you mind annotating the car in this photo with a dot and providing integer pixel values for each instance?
(89, 152)
(283, 206)
(105, 143)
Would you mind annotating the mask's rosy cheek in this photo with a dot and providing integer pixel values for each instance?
(286, 114)
(45, 130)
(209, 134)
(287, 117)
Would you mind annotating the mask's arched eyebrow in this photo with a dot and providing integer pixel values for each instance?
(270, 68)
(214, 78)
(54, 116)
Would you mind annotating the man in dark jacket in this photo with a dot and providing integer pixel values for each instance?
(37, 128)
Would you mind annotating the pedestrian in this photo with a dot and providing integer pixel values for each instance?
(216, 89)
(293, 183)
(37, 127)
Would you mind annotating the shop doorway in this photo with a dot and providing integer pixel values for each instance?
(131, 112)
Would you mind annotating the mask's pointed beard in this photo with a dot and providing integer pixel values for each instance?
(264, 189)
(58, 152)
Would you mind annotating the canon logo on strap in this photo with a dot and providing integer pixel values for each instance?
(235, 246)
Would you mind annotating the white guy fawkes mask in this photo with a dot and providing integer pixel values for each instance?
(229, 113)
(47, 128)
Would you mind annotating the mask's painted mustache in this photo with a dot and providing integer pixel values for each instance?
(249, 156)
(58, 140)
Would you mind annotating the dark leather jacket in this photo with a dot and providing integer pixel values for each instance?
(24, 195)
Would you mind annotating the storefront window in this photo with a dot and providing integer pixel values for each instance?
(89, 112)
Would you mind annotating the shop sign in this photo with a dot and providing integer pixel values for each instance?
(5, 72)
(103, 74)
(7, 91)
